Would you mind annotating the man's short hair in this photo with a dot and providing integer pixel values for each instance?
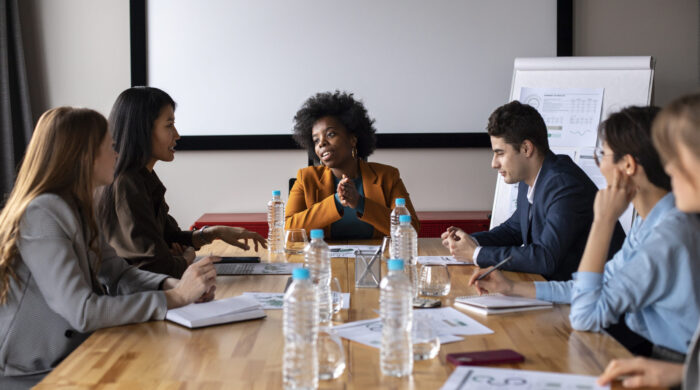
(516, 122)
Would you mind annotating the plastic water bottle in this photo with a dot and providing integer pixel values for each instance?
(275, 222)
(405, 245)
(300, 327)
(399, 209)
(396, 311)
(317, 259)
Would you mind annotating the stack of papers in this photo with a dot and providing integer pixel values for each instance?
(274, 301)
(255, 268)
(480, 378)
(443, 260)
(499, 304)
(447, 322)
(232, 309)
(348, 251)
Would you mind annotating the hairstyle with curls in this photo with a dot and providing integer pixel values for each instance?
(343, 107)
(516, 122)
(629, 132)
(131, 120)
(60, 159)
(678, 123)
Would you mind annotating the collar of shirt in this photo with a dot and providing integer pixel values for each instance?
(531, 190)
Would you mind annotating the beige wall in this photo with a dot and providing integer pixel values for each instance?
(79, 55)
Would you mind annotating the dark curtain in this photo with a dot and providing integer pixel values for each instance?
(15, 112)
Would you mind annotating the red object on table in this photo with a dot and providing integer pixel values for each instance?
(432, 223)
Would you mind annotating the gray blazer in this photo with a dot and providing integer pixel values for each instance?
(57, 303)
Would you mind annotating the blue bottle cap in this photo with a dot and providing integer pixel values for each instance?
(300, 273)
(400, 201)
(404, 219)
(276, 193)
(395, 264)
(317, 233)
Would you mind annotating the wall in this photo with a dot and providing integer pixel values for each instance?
(78, 54)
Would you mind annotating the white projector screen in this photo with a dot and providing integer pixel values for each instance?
(245, 67)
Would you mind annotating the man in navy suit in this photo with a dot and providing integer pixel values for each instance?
(548, 231)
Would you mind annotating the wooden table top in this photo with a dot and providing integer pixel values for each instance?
(248, 355)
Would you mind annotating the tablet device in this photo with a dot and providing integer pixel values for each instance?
(240, 259)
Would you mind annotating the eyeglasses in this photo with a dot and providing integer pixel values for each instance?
(598, 154)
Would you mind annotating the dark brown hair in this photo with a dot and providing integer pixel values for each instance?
(516, 122)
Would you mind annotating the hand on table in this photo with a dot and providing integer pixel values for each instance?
(460, 244)
(239, 237)
(495, 282)
(347, 193)
(197, 283)
(643, 372)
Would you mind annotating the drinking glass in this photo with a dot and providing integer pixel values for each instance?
(337, 295)
(331, 355)
(426, 343)
(294, 242)
(434, 280)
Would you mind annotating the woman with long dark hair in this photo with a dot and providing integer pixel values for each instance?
(59, 279)
(132, 210)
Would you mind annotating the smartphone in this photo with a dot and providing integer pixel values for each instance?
(240, 259)
(481, 358)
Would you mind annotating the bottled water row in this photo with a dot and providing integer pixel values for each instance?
(308, 301)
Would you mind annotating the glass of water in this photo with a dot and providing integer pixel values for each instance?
(337, 295)
(426, 343)
(434, 280)
(294, 242)
(331, 355)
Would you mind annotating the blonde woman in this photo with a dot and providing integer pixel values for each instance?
(676, 135)
(59, 280)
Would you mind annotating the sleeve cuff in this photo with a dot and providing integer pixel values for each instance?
(476, 254)
(543, 291)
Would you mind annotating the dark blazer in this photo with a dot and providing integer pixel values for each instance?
(562, 213)
(143, 230)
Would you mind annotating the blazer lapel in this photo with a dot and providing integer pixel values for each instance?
(370, 183)
(325, 186)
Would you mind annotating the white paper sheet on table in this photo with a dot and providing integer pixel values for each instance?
(470, 377)
(446, 260)
(274, 301)
(447, 323)
(348, 251)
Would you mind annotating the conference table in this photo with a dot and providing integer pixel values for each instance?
(248, 355)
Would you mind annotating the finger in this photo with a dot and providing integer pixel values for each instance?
(615, 369)
(635, 381)
(239, 245)
(475, 275)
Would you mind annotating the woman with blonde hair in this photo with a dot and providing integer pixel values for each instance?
(676, 135)
(59, 280)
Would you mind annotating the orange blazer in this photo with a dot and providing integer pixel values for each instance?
(311, 202)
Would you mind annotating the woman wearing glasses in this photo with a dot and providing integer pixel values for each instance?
(653, 280)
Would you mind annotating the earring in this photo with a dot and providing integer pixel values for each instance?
(354, 152)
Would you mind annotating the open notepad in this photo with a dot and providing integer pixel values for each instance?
(232, 309)
(499, 304)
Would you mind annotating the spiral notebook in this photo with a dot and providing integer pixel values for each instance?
(499, 304)
(220, 311)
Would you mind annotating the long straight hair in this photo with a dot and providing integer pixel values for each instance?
(131, 120)
(60, 159)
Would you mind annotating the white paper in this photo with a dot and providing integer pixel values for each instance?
(442, 260)
(275, 301)
(470, 377)
(256, 268)
(447, 322)
(572, 115)
(348, 251)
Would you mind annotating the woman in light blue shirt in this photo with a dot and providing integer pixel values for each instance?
(653, 278)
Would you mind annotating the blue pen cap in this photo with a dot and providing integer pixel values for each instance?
(404, 219)
(300, 273)
(395, 264)
(317, 233)
(276, 193)
(400, 201)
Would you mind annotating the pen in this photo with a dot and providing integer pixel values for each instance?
(497, 266)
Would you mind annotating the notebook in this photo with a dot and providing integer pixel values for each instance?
(499, 304)
(197, 315)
